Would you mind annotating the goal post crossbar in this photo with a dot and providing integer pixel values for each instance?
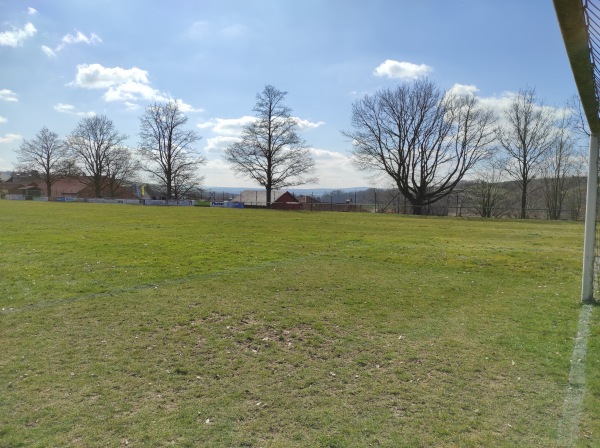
(573, 24)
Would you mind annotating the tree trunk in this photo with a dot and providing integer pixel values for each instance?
(98, 189)
(48, 187)
(524, 203)
(268, 197)
(417, 208)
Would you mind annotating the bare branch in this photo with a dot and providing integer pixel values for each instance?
(270, 151)
(167, 149)
(93, 145)
(45, 154)
(424, 139)
(527, 135)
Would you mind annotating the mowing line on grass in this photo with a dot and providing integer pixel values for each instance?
(175, 281)
(569, 422)
(165, 282)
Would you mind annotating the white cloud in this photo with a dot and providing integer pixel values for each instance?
(65, 108)
(8, 95)
(219, 164)
(228, 130)
(3, 120)
(402, 70)
(9, 138)
(334, 168)
(361, 93)
(79, 37)
(234, 126)
(16, 37)
(131, 106)
(463, 89)
(48, 51)
(31, 11)
(217, 172)
(96, 76)
(70, 39)
(498, 103)
(133, 91)
(501, 103)
(227, 126)
(130, 92)
(124, 85)
(331, 159)
(187, 108)
(219, 144)
(305, 124)
(70, 109)
(563, 112)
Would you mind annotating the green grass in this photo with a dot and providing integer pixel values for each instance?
(155, 326)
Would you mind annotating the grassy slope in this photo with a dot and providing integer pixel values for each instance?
(186, 327)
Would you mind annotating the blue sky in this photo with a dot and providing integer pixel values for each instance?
(65, 59)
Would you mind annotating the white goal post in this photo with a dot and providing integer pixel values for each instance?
(589, 279)
(579, 22)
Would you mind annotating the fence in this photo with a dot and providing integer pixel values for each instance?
(467, 211)
(21, 197)
(391, 208)
(326, 207)
(187, 202)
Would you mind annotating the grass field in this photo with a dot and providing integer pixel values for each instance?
(148, 326)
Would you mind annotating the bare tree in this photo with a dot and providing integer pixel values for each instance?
(423, 138)
(45, 154)
(578, 119)
(487, 194)
(577, 182)
(121, 167)
(558, 166)
(166, 149)
(185, 182)
(526, 135)
(93, 144)
(270, 150)
(577, 188)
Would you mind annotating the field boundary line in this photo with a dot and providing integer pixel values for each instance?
(568, 427)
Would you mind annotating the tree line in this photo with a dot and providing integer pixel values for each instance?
(270, 151)
(426, 140)
(422, 139)
(94, 152)
(475, 197)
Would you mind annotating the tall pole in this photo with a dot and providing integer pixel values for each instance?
(587, 282)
